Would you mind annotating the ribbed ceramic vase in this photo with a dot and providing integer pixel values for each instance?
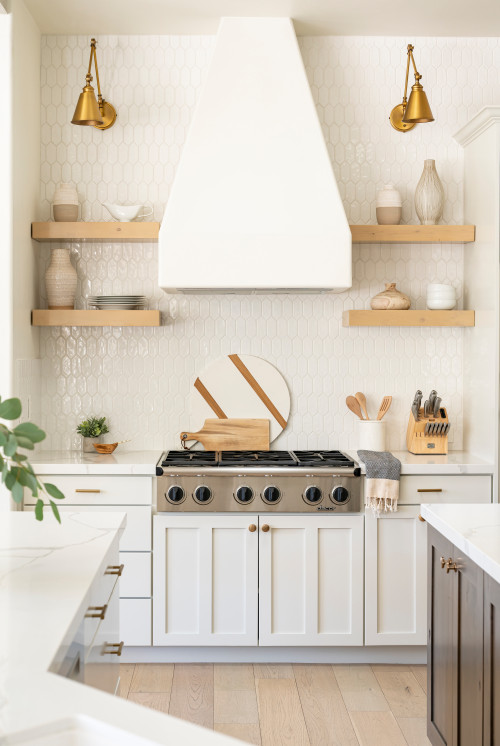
(429, 195)
(60, 280)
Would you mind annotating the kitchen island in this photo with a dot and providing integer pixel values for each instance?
(463, 658)
(46, 576)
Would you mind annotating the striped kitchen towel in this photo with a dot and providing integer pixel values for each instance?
(383, 471)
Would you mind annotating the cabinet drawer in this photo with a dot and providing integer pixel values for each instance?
(135, 621)
(445, 489)
(137, 534)
(97, 490)
(136, 579)
(102, 669)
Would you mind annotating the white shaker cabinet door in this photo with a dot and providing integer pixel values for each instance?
(395, 578)
(205, 580)
(311, 580)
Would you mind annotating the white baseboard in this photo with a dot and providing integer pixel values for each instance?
(373, 654)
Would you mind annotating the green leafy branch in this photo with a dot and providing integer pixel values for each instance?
(17, 472)
(93, 427)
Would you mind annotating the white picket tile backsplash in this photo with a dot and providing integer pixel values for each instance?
(140, 378)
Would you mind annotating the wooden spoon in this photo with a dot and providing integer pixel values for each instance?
(362, 400)
(353, 405)
(386, 403)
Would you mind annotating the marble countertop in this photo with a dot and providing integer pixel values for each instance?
(46, 572)
(474, 529)
(77, 462)
(456, 462)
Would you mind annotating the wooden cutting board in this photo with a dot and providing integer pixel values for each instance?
(241, 386)
(232, 435)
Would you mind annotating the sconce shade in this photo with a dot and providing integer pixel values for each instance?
(417, 109)
(87, 108)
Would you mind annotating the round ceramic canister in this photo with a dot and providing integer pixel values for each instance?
(371, 435)
(388, 206)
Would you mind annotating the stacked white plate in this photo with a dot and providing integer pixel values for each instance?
(118, 302)
(441, 297)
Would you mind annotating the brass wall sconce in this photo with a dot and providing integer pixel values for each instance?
(89, 111)
(405, 116)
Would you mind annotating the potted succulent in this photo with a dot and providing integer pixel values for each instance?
(91, 430)
(17, 472)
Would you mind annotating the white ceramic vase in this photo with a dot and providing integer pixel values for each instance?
(388, 206)
(429, 195)
(65, 203)
(60, 280)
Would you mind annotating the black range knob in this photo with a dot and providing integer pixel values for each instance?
(175, 494)
(312, 494)
(340, 495)
(271, 494)
(244, 494)
(202, 494)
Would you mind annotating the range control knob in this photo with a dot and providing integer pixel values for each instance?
(340, 495)
(244, 494)
(202, 494)
(312, 494)
(175, 494)
(271, 494)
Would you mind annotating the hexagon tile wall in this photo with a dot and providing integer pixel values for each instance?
(140, 378)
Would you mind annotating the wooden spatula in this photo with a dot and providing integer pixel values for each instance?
(386, 403)
(362, 400)
(353, 405)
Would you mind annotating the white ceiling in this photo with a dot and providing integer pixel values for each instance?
(318, 17)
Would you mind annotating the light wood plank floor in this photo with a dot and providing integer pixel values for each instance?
(289, 705)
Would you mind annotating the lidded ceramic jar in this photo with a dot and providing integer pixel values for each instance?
(388, 206)
(390, 299)
(65, 203)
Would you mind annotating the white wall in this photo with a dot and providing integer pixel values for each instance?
(141, 378)
(6, 311)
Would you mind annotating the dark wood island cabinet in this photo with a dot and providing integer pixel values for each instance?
(463, 649)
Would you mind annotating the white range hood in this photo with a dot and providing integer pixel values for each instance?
(254, 206)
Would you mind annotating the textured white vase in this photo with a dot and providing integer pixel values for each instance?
(429, 195)
(60, 280)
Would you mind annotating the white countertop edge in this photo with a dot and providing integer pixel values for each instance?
(135, 463)
(481, 522)
(456, 462)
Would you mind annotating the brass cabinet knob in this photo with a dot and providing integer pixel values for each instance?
(421, 519)
(96, 612)
(114, 570)
(265, 528)
(443, 562)
(450, 565)
(117, 648)
(252, 527)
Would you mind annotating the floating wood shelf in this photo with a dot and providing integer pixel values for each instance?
(408, 318)
(413, 233)
(142, 232)
(60, 317)
(102, 232)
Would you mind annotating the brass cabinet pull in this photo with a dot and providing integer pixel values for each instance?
(96, 612)
(443, 562)
(114, 570)
(450, 565)
(252, 527)
(87, 491)
(265, 528)
(117, 645)
(421, 519)
(430, 490)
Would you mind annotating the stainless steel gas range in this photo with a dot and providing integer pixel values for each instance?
(264, 481)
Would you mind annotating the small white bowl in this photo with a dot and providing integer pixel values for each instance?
(441, 296)
(441, 305)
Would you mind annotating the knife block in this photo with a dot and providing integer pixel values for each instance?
(419, 443)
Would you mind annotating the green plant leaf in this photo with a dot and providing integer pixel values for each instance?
(54, 491)
(11, 446)
(39, 510)
(3, 439)
(10, 480)
(10, 409)
(55, 510)
(17, 492)
(19, 457)
(24, 442)
(30, 431)
(31, 483)
(5, 470)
